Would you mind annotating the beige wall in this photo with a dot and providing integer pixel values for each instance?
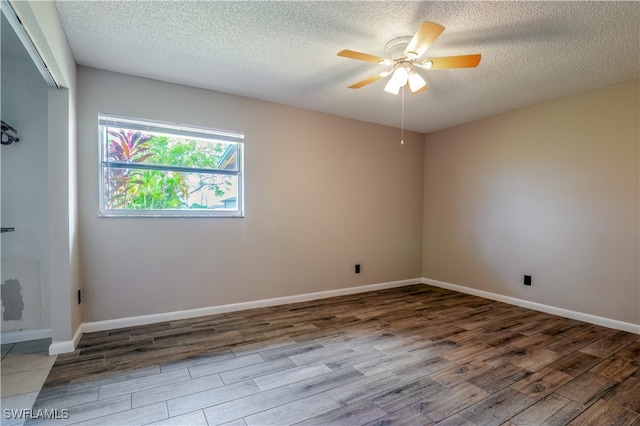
(550, 191)
(322, 194)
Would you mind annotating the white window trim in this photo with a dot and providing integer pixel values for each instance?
(171, 129)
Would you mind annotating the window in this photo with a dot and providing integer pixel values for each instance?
(159, 169)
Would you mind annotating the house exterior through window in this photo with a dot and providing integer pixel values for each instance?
(150, 168)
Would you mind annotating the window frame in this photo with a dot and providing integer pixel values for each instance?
(169, 129)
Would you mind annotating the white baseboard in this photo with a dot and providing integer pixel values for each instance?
(90, 327)
(25, 335)
(566, 313)
(66, 346)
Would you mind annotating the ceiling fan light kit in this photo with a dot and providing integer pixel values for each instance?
(392, 87)
(399, 79)
(416, 82)
(406, 52)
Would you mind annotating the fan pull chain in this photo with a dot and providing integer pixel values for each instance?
(402, 126)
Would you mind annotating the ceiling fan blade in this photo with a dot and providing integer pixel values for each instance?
(366, 81)
(447, 62)
(351, 54)
(423, 39)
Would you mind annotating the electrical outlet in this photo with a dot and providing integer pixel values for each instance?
(357, 268)
(527, 280)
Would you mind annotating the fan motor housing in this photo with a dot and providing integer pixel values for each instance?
(395, 47)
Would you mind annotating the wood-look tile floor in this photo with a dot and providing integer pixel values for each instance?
(414, 355)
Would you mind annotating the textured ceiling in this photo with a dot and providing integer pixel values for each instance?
(285, 52)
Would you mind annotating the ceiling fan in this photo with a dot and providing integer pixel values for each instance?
(405, 54)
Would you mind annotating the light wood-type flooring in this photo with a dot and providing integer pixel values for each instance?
(24, 369)
(415, 355)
